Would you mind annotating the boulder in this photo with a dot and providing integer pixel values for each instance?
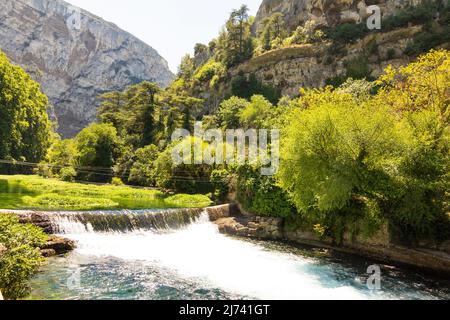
(57, 245)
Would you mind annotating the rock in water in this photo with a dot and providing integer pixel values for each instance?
(75, 56)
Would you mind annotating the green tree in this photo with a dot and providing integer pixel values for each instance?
(98, 147)
(143, 170)
(238, 43)
(186, 68)
(273, 32)
(25, 129)
(229, 112)
(62, 154)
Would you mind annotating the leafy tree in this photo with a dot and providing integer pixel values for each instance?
(134, 113)
(21, 259)
(98, 146)
(25, 130)
(257, 114)
(62, 154)
(143, 170)
(229, 111)
(348, 155)
(186, 68)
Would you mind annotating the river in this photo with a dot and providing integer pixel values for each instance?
(192, 260)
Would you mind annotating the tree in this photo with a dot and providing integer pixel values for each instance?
(135, 113)
(273, 32)
(348, 156)
(143, 170)
(25, 129)
(186, 68)
(229, 112)
(62, 154)
(238, 43)
(257, 114)
(98, 146)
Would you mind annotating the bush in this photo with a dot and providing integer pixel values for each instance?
(67, 174)
(22, 258)
(209, 70)
(116, 181)
(347, 32)
(260, 194)
(221, 182)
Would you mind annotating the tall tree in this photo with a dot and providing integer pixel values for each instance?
(25, 129)
(239, 46)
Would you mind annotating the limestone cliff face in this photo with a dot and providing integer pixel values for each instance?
(326, 12)
(75, 56)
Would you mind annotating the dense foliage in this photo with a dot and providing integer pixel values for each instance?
(389, 152)
(25, 129)
(20, 257)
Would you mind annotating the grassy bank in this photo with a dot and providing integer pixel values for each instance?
(36, 193)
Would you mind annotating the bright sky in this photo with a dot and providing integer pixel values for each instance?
(172, 27)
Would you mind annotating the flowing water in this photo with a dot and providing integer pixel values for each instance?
(182, 255)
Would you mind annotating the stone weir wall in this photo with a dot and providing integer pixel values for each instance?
(57, 245)
(378, 247)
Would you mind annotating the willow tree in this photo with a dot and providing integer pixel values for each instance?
(25, 128)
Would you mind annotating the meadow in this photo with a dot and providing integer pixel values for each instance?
(21, 192)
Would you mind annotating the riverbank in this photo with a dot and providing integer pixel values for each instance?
(19, 192)
(379, 247)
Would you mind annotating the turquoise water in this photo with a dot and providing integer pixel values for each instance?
(197, 262)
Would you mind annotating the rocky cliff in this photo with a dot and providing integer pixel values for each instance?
(326, 12)
(332, 60)
(75, 56)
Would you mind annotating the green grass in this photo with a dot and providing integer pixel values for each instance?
(36, 193)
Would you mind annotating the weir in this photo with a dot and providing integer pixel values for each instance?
(120, 221)
(123, 221)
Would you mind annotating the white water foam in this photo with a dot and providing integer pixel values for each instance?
(199, 251)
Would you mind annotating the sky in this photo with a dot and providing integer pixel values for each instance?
(172, 27)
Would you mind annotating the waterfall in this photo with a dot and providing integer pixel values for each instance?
(152, 254)
(122, 221)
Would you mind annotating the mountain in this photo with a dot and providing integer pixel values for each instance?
(75, 56)
(327, 12)
(347, 48)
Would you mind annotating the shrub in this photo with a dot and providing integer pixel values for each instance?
(391, 54)
(261, 194)
(116, 181)
(209, 70)
(22, 258)
(67, 174)
(221, 182)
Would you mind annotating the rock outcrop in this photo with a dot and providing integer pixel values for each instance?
(326, 12)
(57, 245)
(75, 56)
